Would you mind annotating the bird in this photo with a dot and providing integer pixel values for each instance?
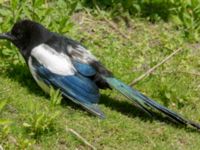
(60, 62)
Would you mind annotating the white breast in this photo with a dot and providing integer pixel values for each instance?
(57, 63)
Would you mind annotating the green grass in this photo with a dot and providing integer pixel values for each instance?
(29, 120)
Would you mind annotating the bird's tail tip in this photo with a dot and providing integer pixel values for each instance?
(194, 124)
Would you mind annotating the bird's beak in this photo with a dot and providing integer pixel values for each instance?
(7, 36)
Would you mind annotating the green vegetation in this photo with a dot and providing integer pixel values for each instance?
(184, 14)
(29, 119)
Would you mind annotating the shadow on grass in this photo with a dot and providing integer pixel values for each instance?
(128, 109)
(21, 74)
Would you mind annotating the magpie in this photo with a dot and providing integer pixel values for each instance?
(62, 63)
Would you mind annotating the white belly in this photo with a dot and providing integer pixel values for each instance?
(41, 84)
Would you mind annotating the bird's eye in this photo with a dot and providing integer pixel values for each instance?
(19, 34)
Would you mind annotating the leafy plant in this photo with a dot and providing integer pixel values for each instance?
(55, 96)
(40, 123)
(186, 14)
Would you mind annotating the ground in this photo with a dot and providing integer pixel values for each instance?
(30, 120)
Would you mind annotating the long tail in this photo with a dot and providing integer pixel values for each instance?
(144, 102)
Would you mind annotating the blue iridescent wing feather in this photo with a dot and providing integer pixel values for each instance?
(84, 69)
(77, 87)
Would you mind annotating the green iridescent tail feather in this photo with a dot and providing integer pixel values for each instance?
(144, 103)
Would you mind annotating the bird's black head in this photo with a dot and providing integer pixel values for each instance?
(26, 34)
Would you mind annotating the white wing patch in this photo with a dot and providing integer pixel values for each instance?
(57, 63)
